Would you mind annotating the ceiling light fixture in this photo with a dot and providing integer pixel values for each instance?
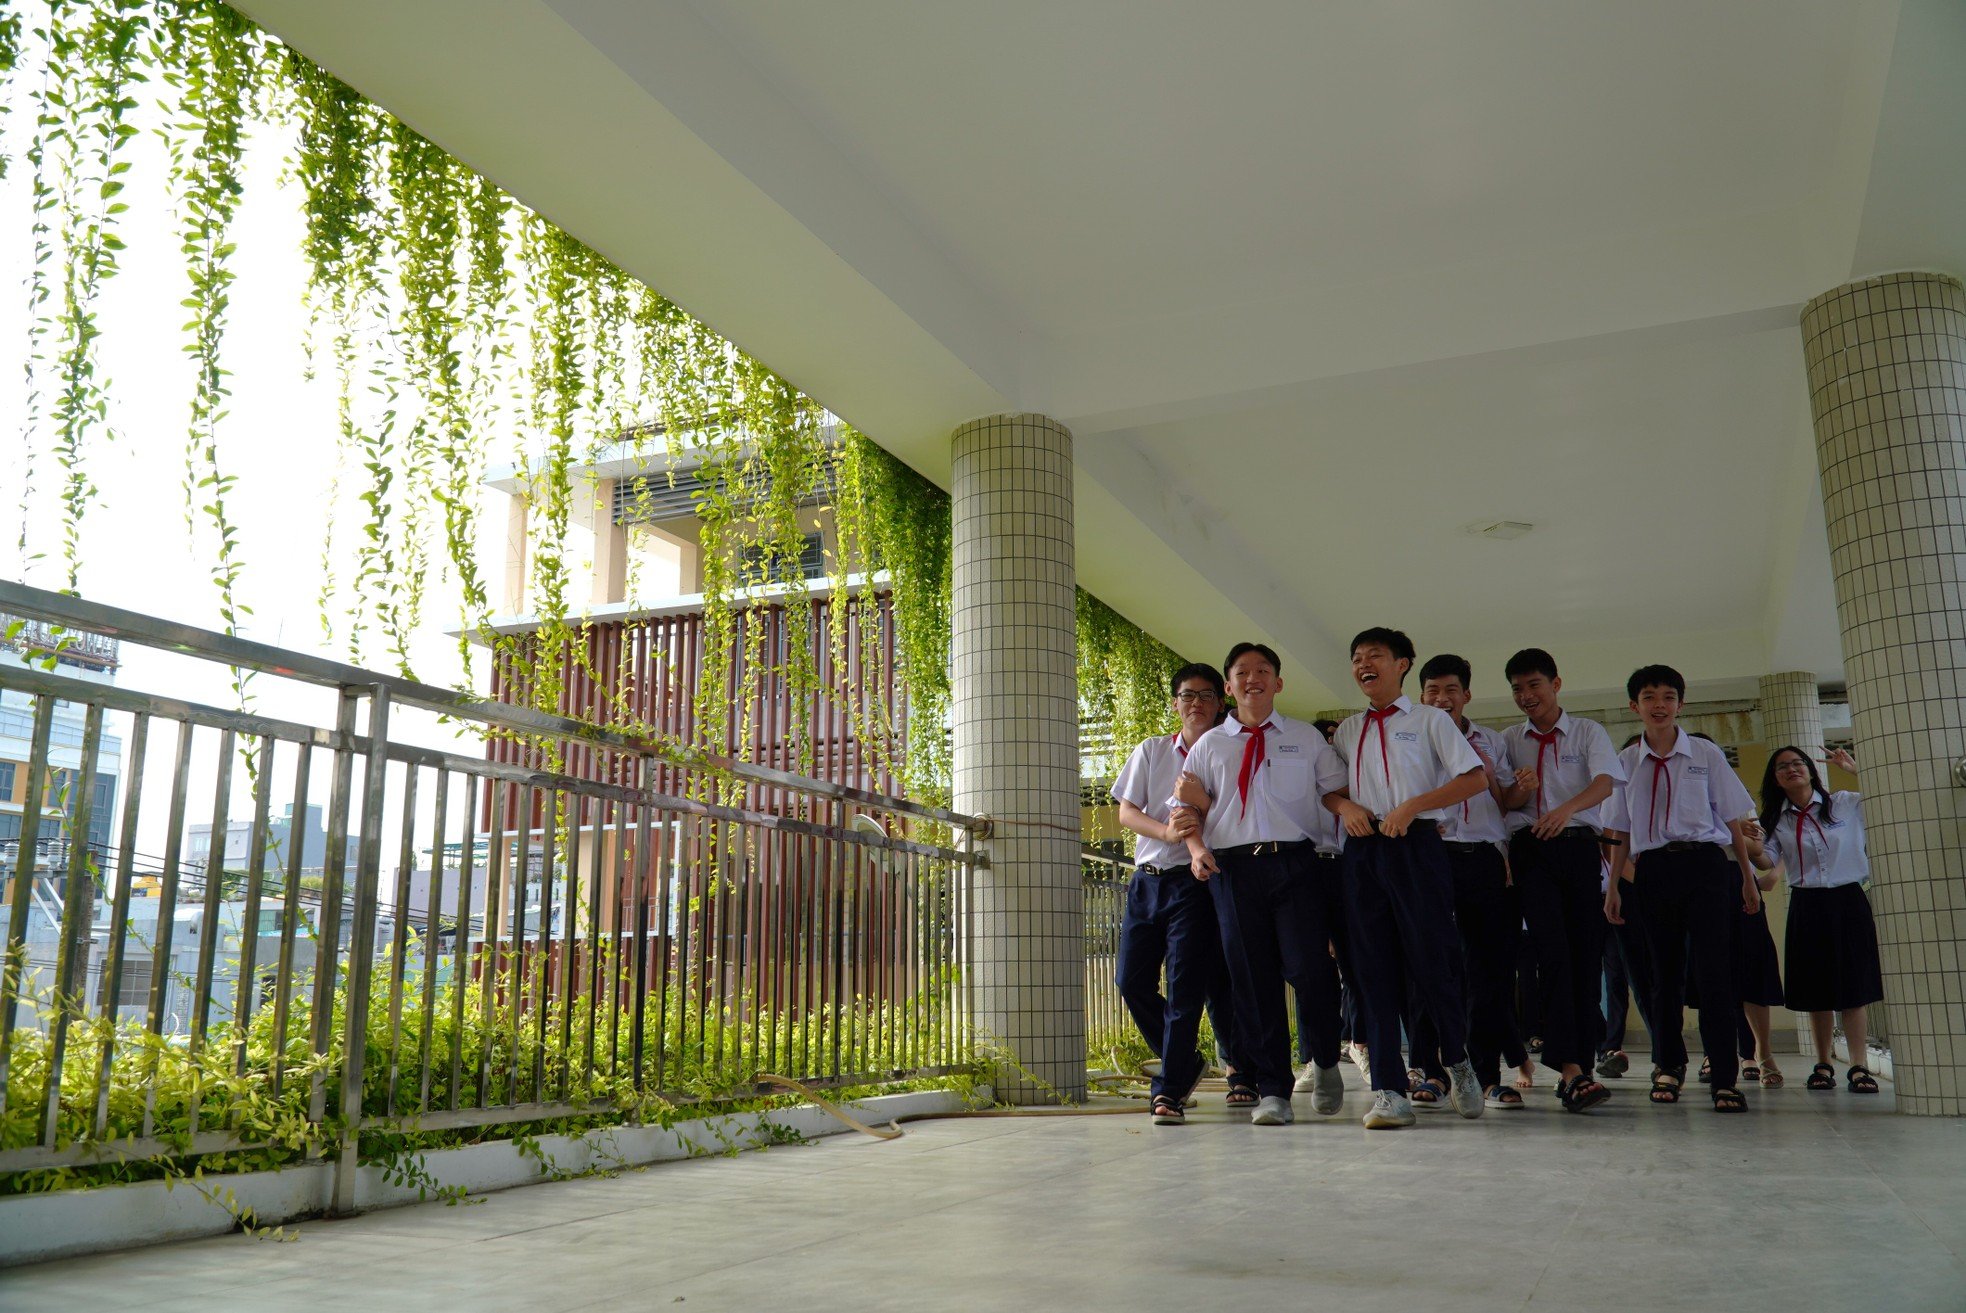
(1499, 530)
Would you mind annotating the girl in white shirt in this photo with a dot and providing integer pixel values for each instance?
(1817, 838)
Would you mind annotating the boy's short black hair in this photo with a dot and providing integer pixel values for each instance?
(1655, 677)
(1198, 670)
(1325, 726)
(1391, 639)
(1263, 650)
(1530, 661)
(1440, 667)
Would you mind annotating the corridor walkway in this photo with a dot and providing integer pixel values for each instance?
(1810, 1202)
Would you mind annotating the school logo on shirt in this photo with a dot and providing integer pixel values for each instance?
(1696, 770)
(1406, 735)
(1290, 749)
(1571, 758)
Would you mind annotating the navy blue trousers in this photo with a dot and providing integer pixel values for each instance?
(1627, 972)
(1690, 898)
(1170, 923)
(1330, 885)
(1488, 919)
(1399, 904)
(1279, 914)
(1560, 882)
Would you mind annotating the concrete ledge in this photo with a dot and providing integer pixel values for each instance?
(35, 1228)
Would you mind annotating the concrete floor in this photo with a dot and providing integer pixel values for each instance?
(1810, 1201)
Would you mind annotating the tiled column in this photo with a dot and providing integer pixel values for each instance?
(1791, 712)
(1887, 386)
(1016, 746)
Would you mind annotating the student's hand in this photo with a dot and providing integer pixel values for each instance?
(1751, 831)
(1842, 760)
(1553, 822)
(1397, 821)
(1750, 895)
(1202, 863)
(1614, 905)
(1189, 792)
(1526, 779)
(1508, 872)
(1181, 823)
(1356, 820)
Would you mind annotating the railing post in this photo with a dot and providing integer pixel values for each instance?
(361, 952)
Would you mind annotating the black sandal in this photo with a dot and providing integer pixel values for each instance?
(1167, 1111)
(1424, 1090)
(1706, 1071)
(1728, 1099)
(1861, 1081)
(1666, 1084)
(1821, 1077)
(1582, 1094)
(1242, 1096)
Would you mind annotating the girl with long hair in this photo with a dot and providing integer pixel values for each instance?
(1817, 838)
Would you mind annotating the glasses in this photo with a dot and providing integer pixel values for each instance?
(1187, 699)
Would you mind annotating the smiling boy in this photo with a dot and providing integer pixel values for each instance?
(1406, 765)
(1564, 770)
(1681, 808)
(1487, 915)
(1262, 776)
(1169, 920)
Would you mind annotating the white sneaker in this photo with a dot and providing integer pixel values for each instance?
(1306, 1079)
(1361, 1059)
(1272, 1110)
(1464, 1091)
(1327, 1091)
(1389, 1111)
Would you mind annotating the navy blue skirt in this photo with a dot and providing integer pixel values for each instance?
(1832, 950)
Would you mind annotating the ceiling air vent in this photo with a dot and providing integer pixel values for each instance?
(1499, 530)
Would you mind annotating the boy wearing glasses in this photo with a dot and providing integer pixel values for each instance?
(1169, 918)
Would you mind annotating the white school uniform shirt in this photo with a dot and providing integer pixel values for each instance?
(1580, 753)
(1286, 791)
(1410, 751)
(1688, 799)
(1147, 781)
(1479, 819)
(1830, 852)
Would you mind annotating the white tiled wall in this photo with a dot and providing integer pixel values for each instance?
(1887, 380)
(1013, 655)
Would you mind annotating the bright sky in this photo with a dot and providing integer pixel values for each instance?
(279, 440)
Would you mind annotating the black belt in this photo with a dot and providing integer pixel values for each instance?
(1567, 832)
(1324, 856)
(1464, 846)
(1683, 846)
(1260, 849)
(1415, 826)
(1184, 868)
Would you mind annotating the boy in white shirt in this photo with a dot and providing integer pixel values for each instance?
(1406, 766)
(1169, 919)
(1261, 776)
(1680, 807)
(1564, 770)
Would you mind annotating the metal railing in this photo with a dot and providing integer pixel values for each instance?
(1103, 878)
(452, 962)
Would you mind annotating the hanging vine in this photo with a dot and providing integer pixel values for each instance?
(214, 59)
(92, 62)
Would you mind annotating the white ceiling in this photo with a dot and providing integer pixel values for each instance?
(1315, 286)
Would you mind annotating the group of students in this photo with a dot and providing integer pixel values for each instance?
(1383, 872)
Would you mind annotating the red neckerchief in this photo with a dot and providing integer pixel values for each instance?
(1542, 741)
(1372, 718)
(1252, 758)
(1806, 814)
(1652, 808)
